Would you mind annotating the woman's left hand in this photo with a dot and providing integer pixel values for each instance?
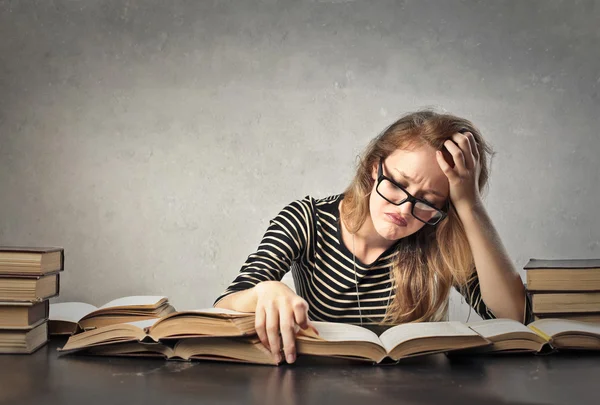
(464, 176)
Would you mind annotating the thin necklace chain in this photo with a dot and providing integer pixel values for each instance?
(356, 284)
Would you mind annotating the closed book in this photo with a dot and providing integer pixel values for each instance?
(29, 288)
(23, 341)
(563, 275)
(565, 302)
(22, 315)
(575, 316)
(16, 260)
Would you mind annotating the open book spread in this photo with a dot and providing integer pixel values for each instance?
(66, 317)
(542, 335)
(401, 341)
(241, 349)
(214, 322)
(508, 335)
(568, 334)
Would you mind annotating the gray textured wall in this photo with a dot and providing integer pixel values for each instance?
(154, 140)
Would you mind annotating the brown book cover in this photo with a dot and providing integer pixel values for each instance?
(563, 275)
(593, 317)
(30, 288)
(23, 315)
(563, 264)
(18, 260)
(565, 302)
(24, 341)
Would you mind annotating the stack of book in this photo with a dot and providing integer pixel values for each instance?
(29, 276)
(224, 335)
(566, 289)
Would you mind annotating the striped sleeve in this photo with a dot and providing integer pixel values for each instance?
(472, 294)
(283, 243)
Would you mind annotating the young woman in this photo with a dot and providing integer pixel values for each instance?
(410, 226)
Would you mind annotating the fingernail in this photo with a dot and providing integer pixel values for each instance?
(290, 358)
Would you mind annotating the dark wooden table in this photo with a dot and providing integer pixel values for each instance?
(44, 378)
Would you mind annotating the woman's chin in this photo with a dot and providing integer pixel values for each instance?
(393, 232)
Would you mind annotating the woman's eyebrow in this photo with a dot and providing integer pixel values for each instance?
(429, 191)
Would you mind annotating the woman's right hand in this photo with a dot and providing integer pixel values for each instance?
(279, 309)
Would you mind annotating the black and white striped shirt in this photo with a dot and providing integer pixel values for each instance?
(305, 238)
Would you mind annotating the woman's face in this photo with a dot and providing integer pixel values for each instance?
(419, 173)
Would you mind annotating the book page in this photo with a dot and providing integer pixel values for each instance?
(408, 331)
(553, 326)
(340, 332)
(70, 311)
(219, 311)
(134, 300)
(498, 327)
(144, 324)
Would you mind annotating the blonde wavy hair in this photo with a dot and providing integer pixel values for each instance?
(435, 258)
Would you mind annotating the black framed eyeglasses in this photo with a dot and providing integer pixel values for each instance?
(395, 194)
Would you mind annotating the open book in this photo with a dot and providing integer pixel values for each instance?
(568, 334)
(398, 342)
(66, 318)
(508, 335)
(543, 335)
(238, 350)
(178, 325)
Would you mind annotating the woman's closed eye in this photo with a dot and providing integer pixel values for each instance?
(426, 200)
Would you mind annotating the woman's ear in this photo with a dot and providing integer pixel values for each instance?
(374, 172)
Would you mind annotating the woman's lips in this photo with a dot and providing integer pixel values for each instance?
(396, 219)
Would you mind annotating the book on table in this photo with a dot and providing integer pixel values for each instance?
(214, 322)
(407, 340)
(563, 275)
(23, 341)
(22, 260)
(544, 335)
(243, 349)
(396, 343)
(568, 334)
(66, 318)
(22, 315)
(217, 334)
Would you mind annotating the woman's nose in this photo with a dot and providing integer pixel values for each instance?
(406, 209)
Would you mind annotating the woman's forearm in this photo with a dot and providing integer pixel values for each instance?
(242, 301)
(501, 287)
